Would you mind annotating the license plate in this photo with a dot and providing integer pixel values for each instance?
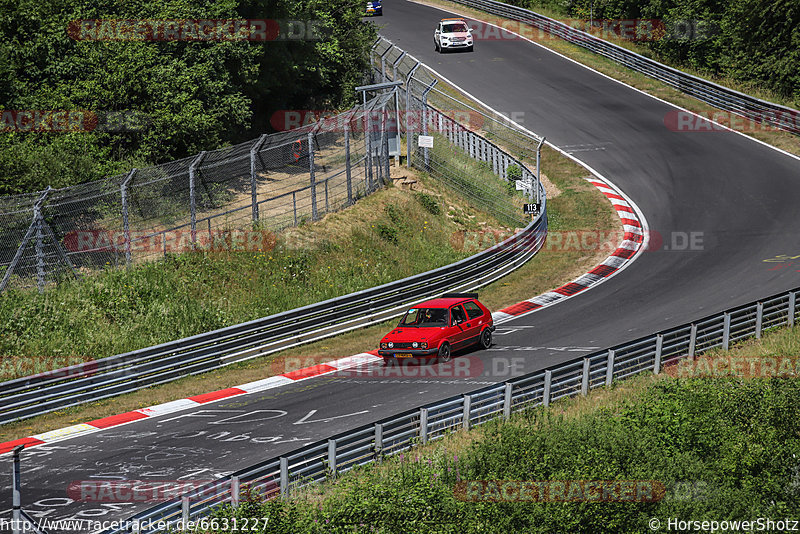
(403, 355)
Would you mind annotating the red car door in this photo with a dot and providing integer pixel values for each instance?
(459, 331)
(475, 321)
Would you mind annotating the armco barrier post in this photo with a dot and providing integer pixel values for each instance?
(314, 214)
(548, 379)
(726, 331)
(185, 511)
(465, 421)
(378, 441)
(659, 348)
(16, 493)
(284, 475)
(759, 319)
(507, 400)
(236, 486)
(610, 367)
(332, 458)
(585, 377)
(692, 341)
(792, 297)
(123, 191)
(423, 425)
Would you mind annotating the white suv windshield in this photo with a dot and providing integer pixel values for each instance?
(454, 28)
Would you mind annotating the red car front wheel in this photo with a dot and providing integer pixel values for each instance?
(444, 352)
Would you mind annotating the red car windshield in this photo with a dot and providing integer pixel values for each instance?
(425, 317)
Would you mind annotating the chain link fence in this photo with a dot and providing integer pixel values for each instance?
(197, 203)
(431, 108)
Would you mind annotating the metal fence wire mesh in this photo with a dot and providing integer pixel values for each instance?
(270, 183)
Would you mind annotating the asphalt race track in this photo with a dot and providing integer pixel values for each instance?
(739, 196)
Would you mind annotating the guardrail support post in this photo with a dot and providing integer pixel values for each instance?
(659, 348)
(236, 490)
(423, 425)
(726, 331)
(792, 299)
(193, 195)
(692, 341)
(507, 401)
(538, 170)
(759, 319)
(585, 377)
(378, 441)
(465, 418)
(184, 512)
(332, 457)
(610, 367)
(284, 475)
(548, 379)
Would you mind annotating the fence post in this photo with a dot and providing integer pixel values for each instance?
(425, 120)
(507, 400)
(332, 457)
(40, 272)
(792, 299)
(378, 441)
(692, 341)
(193, 197)
(409, 132)
(383, 64)
(538, 170)
(585, 377)
(347, 163)
(759, 319)
(284, 475)
(610, 367)
(726, 331)
(253, 185)
(367, 146)
(659, 348)
(467, 409)
(26, 239)
(294, 206)
(385, 148)
(423, 425)
(548, 379)
(314, 215)
(123, 190)
(235, 490)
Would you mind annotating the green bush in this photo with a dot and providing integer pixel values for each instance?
(429, 202)
(386, 232)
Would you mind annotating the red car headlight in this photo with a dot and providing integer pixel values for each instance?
(384, 345)
(423, 345)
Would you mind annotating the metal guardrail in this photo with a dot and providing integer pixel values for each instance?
(722, 97)
(108, 377)
(342, 452)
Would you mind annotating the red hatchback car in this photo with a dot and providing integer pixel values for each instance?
(436, 328)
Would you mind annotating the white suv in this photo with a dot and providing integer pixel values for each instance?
(451, 34)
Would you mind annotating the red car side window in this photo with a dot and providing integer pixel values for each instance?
(457, 315)
(473, 310)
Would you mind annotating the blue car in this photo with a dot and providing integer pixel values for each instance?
(374, 8)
